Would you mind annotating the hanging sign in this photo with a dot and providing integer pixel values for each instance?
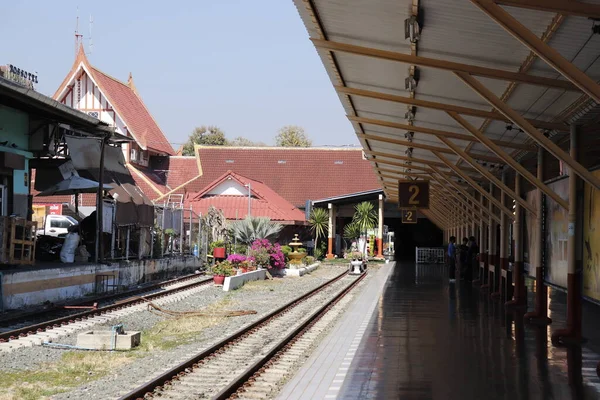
(413, 194)
(409, 216)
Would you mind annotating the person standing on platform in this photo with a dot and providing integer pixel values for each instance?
(472, 258)
(463, 250)
(452, 258)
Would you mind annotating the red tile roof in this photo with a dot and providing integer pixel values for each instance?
(296, 174)
(127, 103)
(264, 202)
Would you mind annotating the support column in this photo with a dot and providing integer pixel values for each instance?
(380, 229)
(520, 292)
(479, 277)
(330, 231)
(491, 253)
(572, 332)
(540, 314)
(501, 270)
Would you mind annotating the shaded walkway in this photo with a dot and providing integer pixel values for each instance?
(429, 339)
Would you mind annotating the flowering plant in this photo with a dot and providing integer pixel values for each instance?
(236, 259)
(267, 254)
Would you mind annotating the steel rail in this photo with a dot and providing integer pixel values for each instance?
(181, 368)
(239, 382)
(76, 317)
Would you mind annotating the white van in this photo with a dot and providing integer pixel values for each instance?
(56, 225)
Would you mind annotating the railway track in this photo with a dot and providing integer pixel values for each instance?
(221, 370)
(24, 334)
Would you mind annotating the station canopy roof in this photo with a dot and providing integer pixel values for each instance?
(420, 79)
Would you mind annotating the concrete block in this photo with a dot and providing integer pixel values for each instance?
(234, 282)
(102, 340)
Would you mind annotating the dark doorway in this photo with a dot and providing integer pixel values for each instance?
(408, 236)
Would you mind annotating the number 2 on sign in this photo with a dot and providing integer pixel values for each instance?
(414, 189)
(409, 215)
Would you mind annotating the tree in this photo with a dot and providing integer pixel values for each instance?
(365, 218)
(248, 230)
(241, 141)
(319, 223)
(204, 135)
(292, 136)
(351, 232)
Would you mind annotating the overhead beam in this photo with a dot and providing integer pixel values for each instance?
(475, 186)
(413, 159)
(566, 7)
(467, 195)
(460, 152)
(543, 50)
(443, 64)
(494, 115)
(514, 116)
(437, 132)
(438, 223)
(377, 138)
(511, 161)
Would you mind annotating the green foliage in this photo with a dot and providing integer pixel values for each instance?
(319, 254)
(286, 250)
(243, 142)
(206, 136)
(301, 250)
(292, 136)
(319, 223)
(215, 244)
(223, 268)
(351, 231)
(261, 256)
(364, 217)
(308, 260)
(238, 248)
(248, 230)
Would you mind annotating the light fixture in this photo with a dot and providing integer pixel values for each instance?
(411, 113)
(412, 29)
(409, 136)
(409, 152)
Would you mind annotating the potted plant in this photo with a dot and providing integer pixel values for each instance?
(218, 249)
(222, 270)
(238, 261)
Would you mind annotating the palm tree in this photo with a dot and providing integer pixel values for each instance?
(248, 230)
(319, 223)
(365, 218)
(351, 232)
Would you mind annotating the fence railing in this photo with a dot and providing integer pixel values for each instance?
(429, 255)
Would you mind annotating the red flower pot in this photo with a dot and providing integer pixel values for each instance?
(218, 279)
(219, 252)
(244, 270)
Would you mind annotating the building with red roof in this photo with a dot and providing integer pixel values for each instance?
(233, 193)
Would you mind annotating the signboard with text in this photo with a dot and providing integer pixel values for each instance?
(55, 209)
(409, 216)
(413, 194)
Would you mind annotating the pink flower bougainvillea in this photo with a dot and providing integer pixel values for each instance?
(236, 259)
(276, 256)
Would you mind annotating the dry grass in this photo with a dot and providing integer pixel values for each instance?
(72, 370)
(265, 285)
(174, 332)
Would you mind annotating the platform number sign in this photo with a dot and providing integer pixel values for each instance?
(409, 216)
(413, 195)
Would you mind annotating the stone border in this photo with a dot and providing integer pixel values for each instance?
(237, 281)
(295, 271)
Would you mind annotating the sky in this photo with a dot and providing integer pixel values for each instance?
(247, 67)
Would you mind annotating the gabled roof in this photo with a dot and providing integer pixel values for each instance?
(264, 202)
(296, 174)
(126, 101)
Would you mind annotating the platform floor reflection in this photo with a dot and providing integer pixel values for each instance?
(431, 339)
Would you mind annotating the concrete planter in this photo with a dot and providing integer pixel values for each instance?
(234, 282)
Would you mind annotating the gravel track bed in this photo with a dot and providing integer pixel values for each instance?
(263, 297)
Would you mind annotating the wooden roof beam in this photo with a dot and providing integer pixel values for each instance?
(566, 7)
(494, 115)
(545, 142)
(442, 64)
(436, 132)
(543, 50)
(415, 145)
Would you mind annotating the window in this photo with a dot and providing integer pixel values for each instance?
(338, 162)
(281, 162)
(229, 161)
(60, 223)
(93, 114)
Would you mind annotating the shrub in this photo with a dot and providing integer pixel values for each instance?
(225, 268)
(286, 250)
(301, 250)
(262, 248)
(236, 259)
(319, 254)
(308, 260)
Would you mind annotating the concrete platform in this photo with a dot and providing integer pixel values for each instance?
(417, 336)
